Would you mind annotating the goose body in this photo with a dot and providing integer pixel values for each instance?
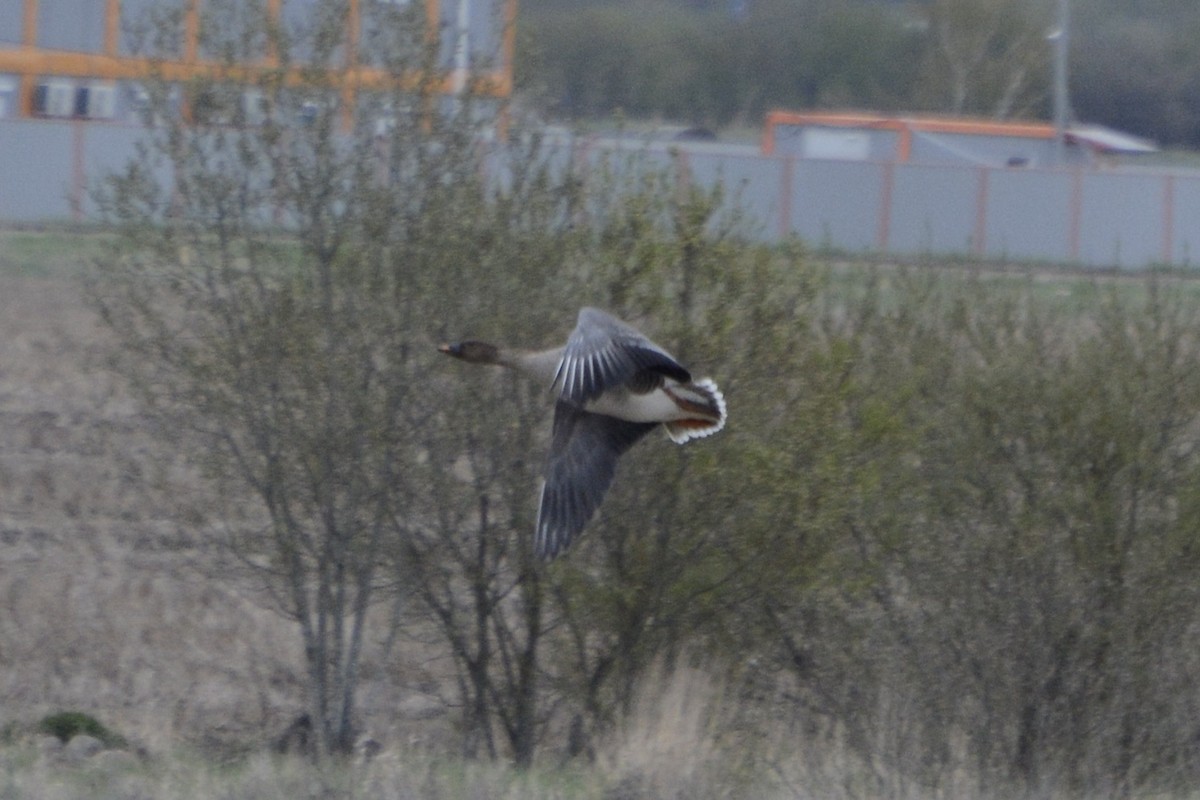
(613, 386)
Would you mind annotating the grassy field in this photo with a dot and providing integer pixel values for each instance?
(109, 609)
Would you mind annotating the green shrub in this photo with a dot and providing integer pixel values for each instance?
(67, 724)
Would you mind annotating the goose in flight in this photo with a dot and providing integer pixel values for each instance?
(613, 386)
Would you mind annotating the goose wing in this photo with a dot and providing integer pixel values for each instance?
(603, 352)
(584, 449)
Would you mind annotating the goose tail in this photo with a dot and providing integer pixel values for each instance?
(706, 407)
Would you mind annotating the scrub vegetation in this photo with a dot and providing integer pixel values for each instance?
(949, 548)
(255, 524)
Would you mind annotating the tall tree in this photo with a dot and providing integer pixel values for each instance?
(988, 57)
(260, 294)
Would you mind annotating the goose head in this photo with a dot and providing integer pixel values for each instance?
(473, 352)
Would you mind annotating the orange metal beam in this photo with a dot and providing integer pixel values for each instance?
(982, 127)
(353, 31)
(273, 21)
(29, 23)
(191, 31)
(508, 47)
(904, 126)
(932, 123)
(433, 19)
(36, 63)
(904, 145)
(32, 63)
(28, 39)
(112, 26)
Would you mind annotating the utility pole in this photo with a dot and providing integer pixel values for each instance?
(1062, 104)
(462, 43)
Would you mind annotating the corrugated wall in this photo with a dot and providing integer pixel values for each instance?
(76, 25)
(11, 23)
(1125, 218)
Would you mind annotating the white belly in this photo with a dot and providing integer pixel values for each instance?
(657, 406)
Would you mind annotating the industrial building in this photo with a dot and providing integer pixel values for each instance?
(851, 182)
(82, 59)
(928, 139)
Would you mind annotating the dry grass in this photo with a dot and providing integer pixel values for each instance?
(106, 611)
(269, 778)
(669, 746)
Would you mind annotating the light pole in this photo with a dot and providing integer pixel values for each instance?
(462, 58)
(1061, 38)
